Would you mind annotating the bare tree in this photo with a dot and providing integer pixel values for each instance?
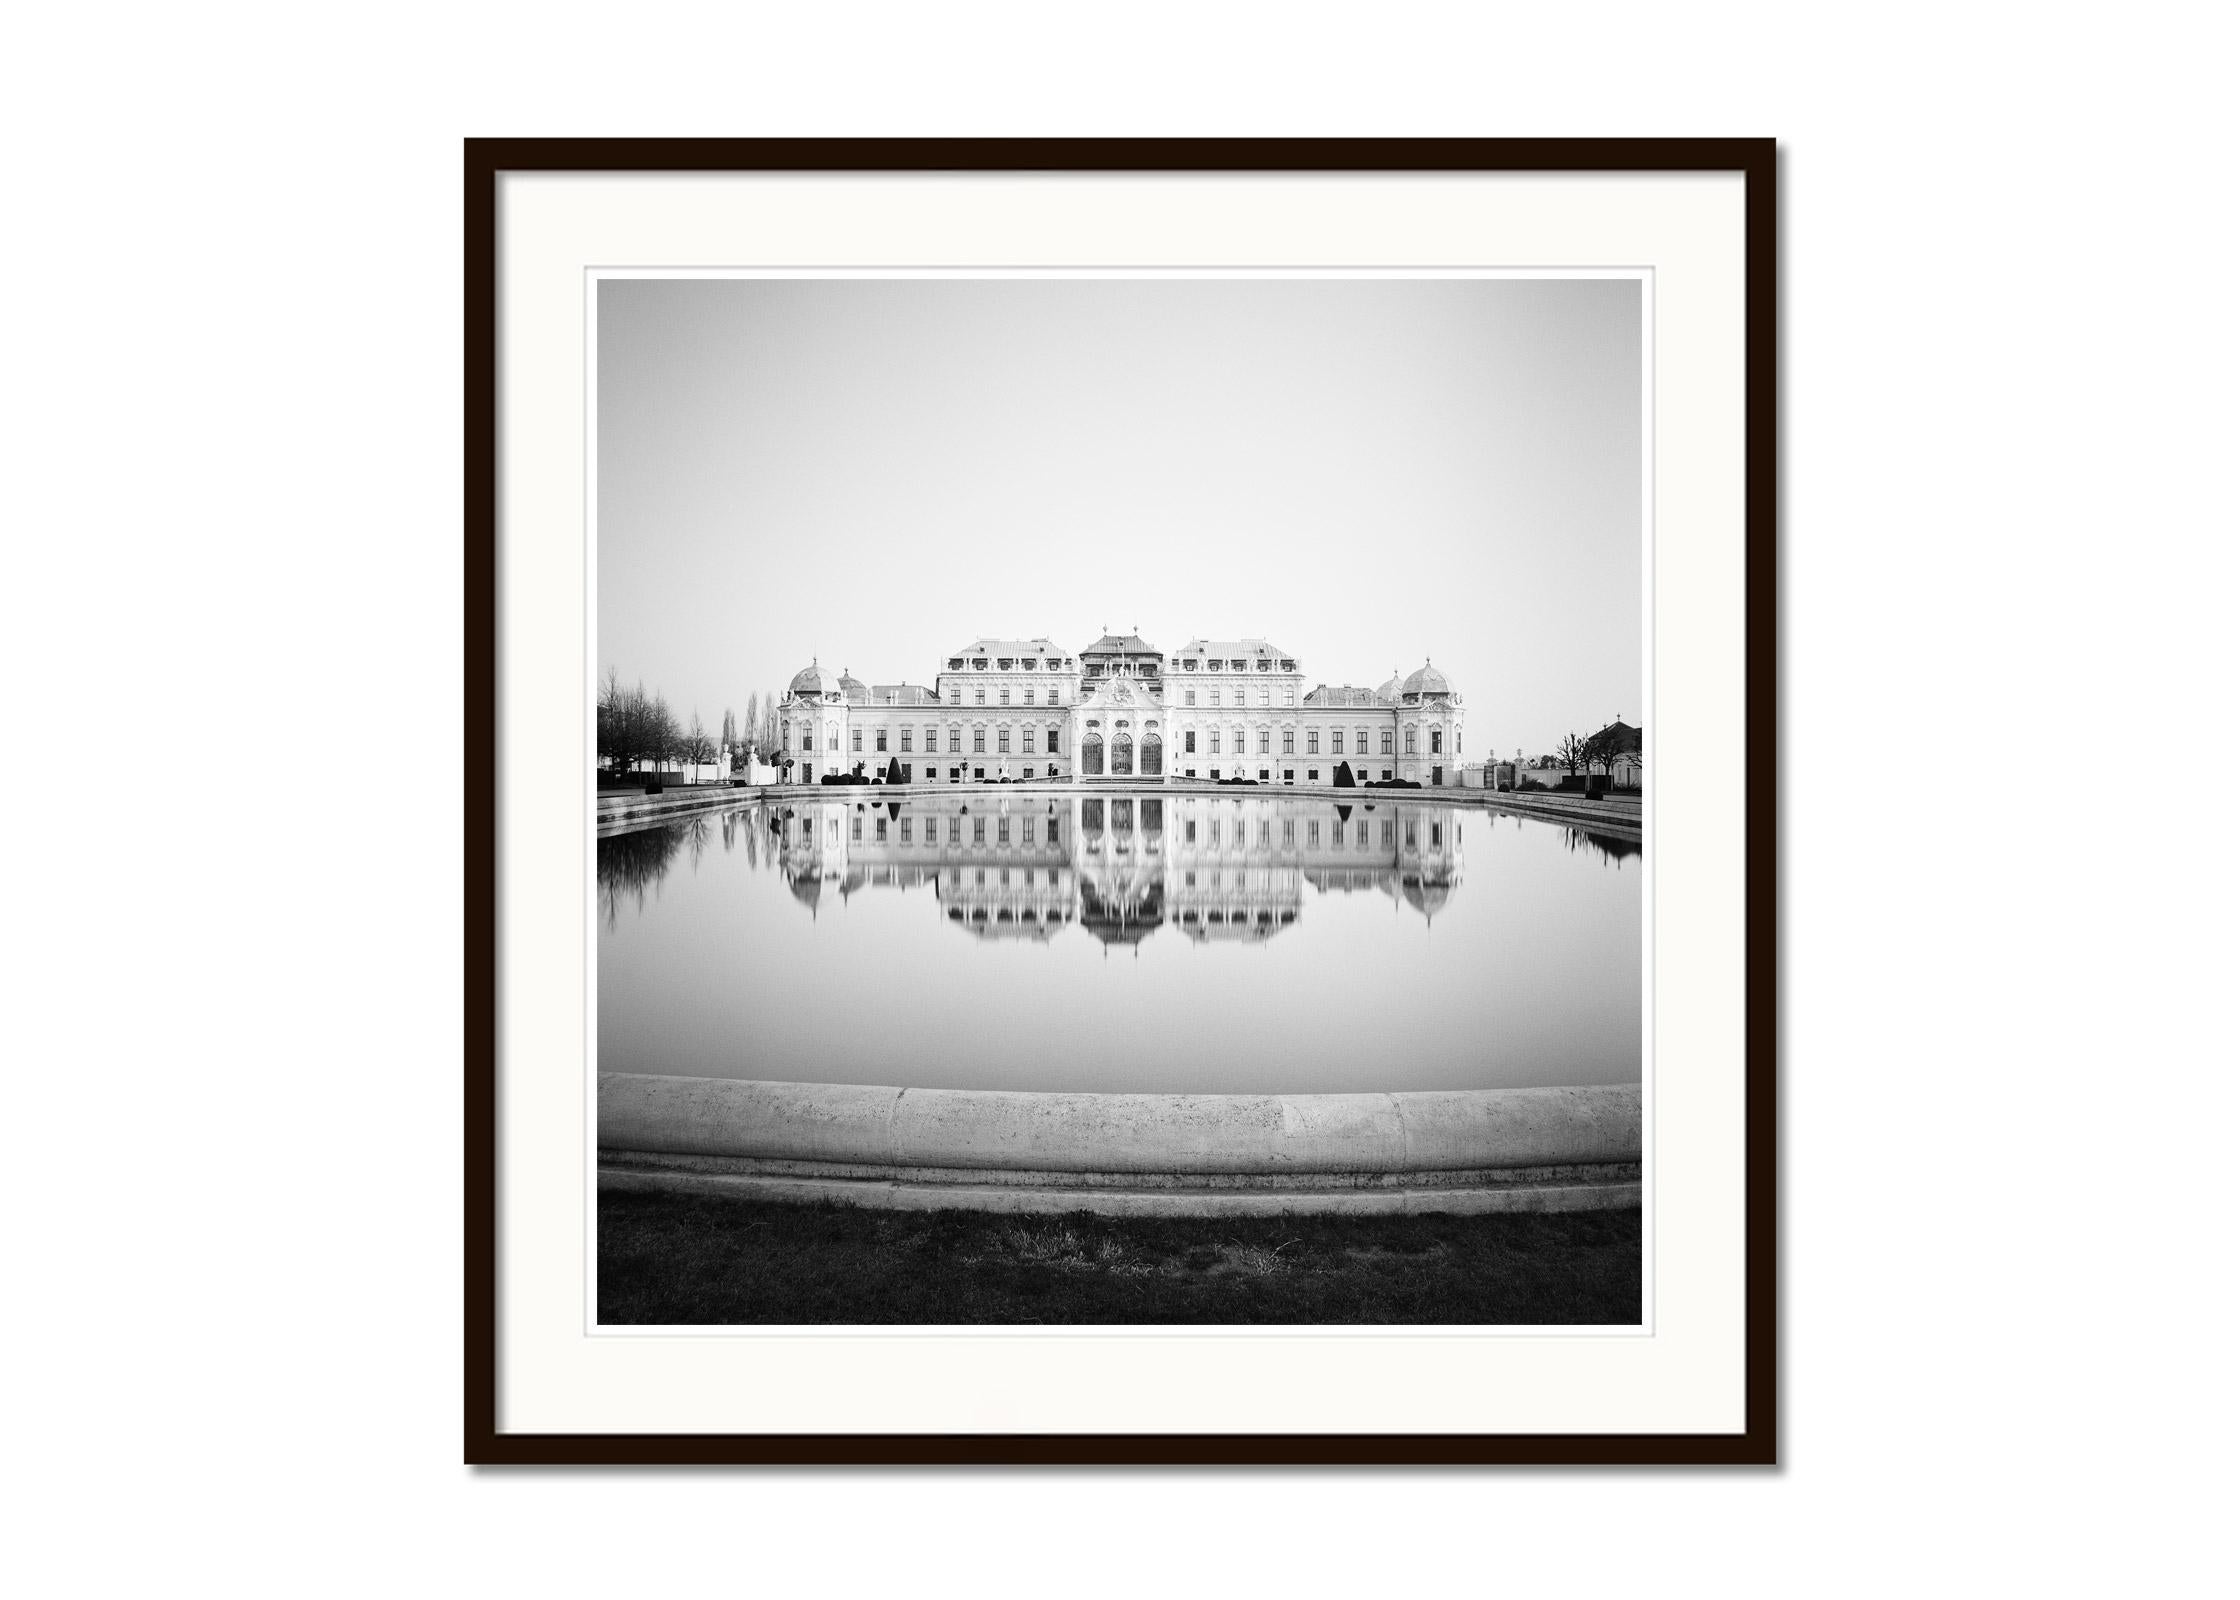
(694, 747)
(634, 726)
(1572, 753)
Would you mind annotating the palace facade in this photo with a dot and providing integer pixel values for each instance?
(1122, 710)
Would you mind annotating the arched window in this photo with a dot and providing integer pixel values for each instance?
(1092, 756)
(1152, 756)
(1123, 756)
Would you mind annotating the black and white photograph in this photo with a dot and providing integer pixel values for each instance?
(1120, 798)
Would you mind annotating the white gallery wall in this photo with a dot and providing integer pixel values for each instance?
(232, 381)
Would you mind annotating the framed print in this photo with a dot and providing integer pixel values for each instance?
(1132, 821)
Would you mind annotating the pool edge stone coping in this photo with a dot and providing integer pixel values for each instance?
(1561, 1148)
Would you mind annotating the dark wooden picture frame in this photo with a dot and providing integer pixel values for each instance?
(488, 162)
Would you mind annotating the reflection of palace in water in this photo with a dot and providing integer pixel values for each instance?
(1121, 866)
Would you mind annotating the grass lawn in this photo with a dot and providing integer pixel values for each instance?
(701, 1259)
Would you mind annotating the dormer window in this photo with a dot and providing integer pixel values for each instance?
(979, 663)
(1260, 666)
(1237, 665)
(956, 663)
(1291, 666)
(1004, 662)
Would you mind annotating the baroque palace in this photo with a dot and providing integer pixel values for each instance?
(1122, 710)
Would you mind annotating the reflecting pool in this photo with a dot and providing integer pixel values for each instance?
(1167, 943)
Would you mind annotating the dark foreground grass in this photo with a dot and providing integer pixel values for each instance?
(706, 1260)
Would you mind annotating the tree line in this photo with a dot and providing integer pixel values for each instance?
(636, 725)
(1590, 751)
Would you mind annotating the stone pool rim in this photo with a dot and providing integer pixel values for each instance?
(1552, 1148)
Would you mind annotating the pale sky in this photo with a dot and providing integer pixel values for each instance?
(1367, 472)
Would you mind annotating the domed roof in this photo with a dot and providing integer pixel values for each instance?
(1426, 679)
(1390, 688)
(813, 679)
(853, 688)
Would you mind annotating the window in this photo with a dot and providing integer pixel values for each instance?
(882, 739)
(1314, 774)
(1384, 836)
(933, 743)
(808, 739)
(1003, 695)
(1003, 741)
(1410, 742)
(1435, 740)
(879, 830)
(1263, 741)
(1361, 741)
(979, 694)
(1189, 697)
(1434, 836)
(1360, 835)
(1050, 835)
(955, 825)
(855, 740)
(855, 829)
(979, 741)
(906, 824)
(832, 736)
(1213, 742)
(1287, 741)
(956, 741)
(1053, 700)
(1189, 741)
(1238, 698)
(956, 695)
(1314, 742)
(980, 830)
(1263, 697)
(1190, 832)
(1053, 741)
(1287, 827)
(1411, 836)
(1314, 829)
(1384, 741)
(1287, 694)
(1263, 835)
(1003, 835)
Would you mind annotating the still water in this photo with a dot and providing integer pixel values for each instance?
(1153, 943)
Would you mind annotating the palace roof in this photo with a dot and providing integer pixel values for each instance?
(1131, 644)
(1234, 649)
(1345, 694)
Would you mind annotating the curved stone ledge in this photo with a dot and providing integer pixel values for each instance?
(1197, 1201)
(967, 1133)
